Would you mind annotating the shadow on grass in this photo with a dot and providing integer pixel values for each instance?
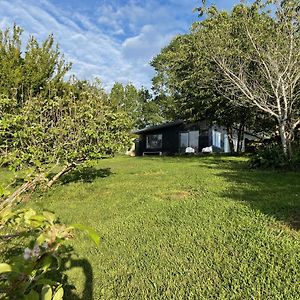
(68, 262)
(274, 193)
(85, 174)
(70, 290)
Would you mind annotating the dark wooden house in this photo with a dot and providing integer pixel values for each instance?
(176, 137)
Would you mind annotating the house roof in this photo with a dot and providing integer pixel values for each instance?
(160, 126)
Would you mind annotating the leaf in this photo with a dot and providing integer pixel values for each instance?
(58, 294)
(38, 218)
(46, 281)
(5, 268)
(28, 215)
(45, 264)
(49, 216)
(58, 261)
(3, 191)
(46, 293)
(33, 295)
(41, 239)
(90, 231)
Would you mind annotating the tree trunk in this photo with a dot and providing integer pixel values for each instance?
(240, 138)
(289, 140)
(29, 185)
(67, 168)
(230, 139)
(284, 143)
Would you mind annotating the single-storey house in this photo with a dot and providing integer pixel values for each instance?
(179, 137)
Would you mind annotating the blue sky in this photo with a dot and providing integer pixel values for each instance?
(112, 40)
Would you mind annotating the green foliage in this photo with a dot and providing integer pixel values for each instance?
(268, 156)
(28, 276)
(27, 75)
(44, 120)
(271, 155)
(73, 127)
(187, 77)
(139, 105)
(255, 50)
(237, 68)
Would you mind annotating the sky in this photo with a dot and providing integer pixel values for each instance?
(111, 40)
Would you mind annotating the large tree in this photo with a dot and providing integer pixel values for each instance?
(185, 78)
(238, 68)
(47, 121)
(256, 50)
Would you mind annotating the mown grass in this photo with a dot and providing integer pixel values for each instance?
(182, 228)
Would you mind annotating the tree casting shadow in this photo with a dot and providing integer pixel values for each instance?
(69, 262)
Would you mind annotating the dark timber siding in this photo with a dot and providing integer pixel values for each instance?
(170, 138)
(170, 141)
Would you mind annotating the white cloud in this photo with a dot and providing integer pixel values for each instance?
(146, 44)
(115, 42)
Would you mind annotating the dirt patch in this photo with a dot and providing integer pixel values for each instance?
(174, 195)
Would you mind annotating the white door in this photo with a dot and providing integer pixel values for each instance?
(194, 139)
(216, 137)
(189, 139)
(226, 144)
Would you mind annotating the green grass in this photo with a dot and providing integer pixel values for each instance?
(182, 228)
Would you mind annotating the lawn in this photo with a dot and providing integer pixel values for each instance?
(181, 228)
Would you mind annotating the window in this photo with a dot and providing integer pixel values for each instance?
(194, 139)
(216, 139)
(226, 144)
(189, 139)
(184, 139)
(154, 141)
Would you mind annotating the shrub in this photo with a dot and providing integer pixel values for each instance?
(270, 155)
(27, 275)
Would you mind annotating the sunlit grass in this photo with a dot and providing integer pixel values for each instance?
(183, 228)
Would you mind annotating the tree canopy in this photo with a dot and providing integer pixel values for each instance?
(48, 120)
(233, 61)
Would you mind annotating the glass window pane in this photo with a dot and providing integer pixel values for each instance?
(194, 139)
(154, 141)
(217, 139)
(184, 140)
(226, 144)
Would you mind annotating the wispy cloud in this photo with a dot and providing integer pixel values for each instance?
(112, 40)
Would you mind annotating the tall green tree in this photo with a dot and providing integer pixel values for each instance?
(256, 53)
(238, 68)
(33, 73)
(150, 109)
(46, 120)
(138, 104)
(185, 79)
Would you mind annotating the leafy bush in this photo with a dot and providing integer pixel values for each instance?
(271, 155)
(46, 120)
(27, 275)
